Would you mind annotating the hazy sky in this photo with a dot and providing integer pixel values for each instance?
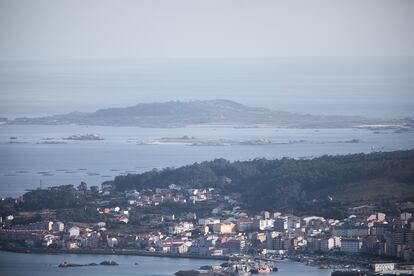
(58, 56)
(53, 29)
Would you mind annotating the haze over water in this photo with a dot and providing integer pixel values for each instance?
(373, 87)
(370, 86)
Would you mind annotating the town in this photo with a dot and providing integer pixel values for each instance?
(364, 238)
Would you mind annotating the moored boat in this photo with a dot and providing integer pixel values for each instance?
(261, 270)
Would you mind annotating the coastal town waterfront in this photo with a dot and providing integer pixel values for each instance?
(209, 223)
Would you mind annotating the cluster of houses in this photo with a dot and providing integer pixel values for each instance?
(173, 193)
(226, 230)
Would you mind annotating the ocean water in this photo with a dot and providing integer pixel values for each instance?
(26, 164)
(20, 264)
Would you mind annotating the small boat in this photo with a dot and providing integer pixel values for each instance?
(108, 263)
(22, 171)
(66, 264)
(91, 174)
(265, 270)
(261, 270)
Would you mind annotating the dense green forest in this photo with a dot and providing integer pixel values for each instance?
(53, 198)
(325, 186)
(301, 185)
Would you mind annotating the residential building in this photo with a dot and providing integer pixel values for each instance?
(350, 245)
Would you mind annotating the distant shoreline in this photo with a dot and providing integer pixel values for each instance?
(210, 113)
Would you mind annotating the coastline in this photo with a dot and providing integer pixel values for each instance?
(48, 265)
(308, 260)
(112, 252)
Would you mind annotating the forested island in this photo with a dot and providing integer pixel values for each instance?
(215, 113)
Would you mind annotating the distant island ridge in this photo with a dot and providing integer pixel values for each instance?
(210, 113)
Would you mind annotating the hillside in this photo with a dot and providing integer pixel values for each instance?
(205, 113)
(326, 185)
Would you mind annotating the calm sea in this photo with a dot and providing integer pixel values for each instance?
(19, 264)
(28, 164)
